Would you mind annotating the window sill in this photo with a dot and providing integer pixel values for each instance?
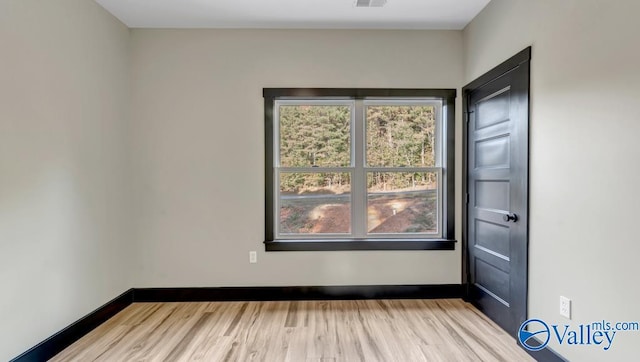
(360, 244)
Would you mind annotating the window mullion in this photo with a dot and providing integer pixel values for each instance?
(359, 183)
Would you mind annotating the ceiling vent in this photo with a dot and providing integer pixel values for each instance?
(370, 3)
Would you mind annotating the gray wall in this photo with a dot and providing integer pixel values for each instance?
(84, 119)
(63, 112)
(198, 157)
(584, 154)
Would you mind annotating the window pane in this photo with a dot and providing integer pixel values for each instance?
(315, 203)
(401, 136)
(312, 135)
(402, 202)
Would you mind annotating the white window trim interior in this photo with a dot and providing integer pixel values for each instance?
(358, 167)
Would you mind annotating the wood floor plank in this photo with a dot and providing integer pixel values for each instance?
(361, 330)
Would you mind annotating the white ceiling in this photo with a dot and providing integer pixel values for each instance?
(313, 14)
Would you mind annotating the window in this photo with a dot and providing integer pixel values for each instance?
(350, 169)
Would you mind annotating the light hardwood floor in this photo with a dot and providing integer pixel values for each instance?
(363, 330)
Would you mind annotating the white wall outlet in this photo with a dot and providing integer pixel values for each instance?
(565, 307)
(253, 257)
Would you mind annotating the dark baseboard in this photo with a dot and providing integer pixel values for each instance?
(544, 355)
(63, 339)
(297, 293)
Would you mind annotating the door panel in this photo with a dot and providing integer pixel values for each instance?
(497, 187)
(491, 195)
(493, 152)
(492, 236)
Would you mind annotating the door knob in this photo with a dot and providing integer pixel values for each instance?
(510, 217)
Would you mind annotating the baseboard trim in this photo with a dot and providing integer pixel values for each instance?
(297, 293)
(66, 337)
(544, 355)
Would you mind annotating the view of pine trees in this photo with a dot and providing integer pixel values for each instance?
(315, 136)
(319, 136)
(400, 136)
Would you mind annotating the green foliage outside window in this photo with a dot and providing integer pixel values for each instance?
(320, 136)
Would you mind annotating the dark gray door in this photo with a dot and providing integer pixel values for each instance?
(497, 109)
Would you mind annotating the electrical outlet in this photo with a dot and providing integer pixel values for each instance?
(565, 307)
(253, 257)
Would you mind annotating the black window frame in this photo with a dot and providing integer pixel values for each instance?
(446, 242)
